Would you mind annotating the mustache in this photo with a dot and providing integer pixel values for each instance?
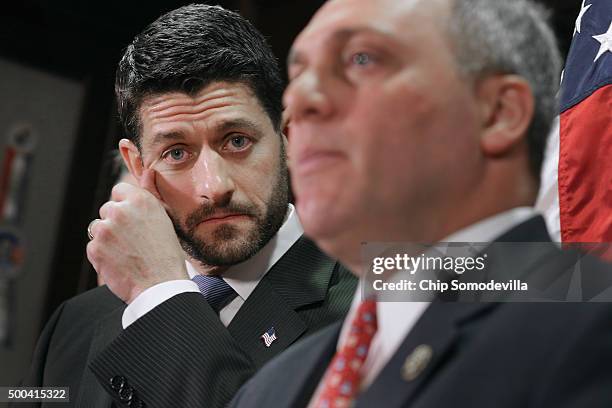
(206, 211)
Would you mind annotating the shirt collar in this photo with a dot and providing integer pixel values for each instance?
(245, 276)
(391, 320)
(488, 229)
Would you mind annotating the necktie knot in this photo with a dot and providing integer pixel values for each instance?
(215, 290)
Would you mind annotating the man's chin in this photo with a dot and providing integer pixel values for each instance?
(224, 247)
(221, 254)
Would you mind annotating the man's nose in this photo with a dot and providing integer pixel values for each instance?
(212, 178)
(307, 96)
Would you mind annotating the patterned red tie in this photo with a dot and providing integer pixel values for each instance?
(342, 379)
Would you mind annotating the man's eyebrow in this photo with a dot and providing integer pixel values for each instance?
(164, 137)
(295, 57)
(221, 127)
(225, 126)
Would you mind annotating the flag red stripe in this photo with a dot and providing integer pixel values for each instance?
(585, 169)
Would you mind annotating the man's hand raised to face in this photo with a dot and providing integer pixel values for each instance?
(134, 245)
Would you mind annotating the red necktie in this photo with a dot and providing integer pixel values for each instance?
(342, 379)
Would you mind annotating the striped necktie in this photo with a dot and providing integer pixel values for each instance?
(215, 290)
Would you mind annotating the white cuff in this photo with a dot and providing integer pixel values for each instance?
(155, 296)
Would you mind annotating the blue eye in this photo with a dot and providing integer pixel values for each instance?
(238, 141)
(177, 154)
(361, 58)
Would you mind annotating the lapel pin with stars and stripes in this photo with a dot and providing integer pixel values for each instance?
(269, 336)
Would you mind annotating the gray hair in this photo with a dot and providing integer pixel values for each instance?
(511, 37)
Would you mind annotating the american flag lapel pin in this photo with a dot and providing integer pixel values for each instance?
(269, 336)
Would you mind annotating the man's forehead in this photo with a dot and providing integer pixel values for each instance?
(386, 14)
(217, 99)
(216, 92)
(215, 105)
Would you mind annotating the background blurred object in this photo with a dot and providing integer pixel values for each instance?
(57, 66)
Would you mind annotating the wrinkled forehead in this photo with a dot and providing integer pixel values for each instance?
(396, 17)
(216, 98)
(218, 93)
(216, 105)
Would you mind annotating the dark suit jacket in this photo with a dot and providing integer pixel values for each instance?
(484, 354)
(179, 354)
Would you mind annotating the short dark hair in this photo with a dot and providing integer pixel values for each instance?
(189, 48)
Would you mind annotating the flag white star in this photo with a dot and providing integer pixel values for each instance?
(583, 10)
(606, 42)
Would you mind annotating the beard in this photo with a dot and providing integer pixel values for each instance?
(228, 245)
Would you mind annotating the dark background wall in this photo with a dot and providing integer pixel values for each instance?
(78, 43)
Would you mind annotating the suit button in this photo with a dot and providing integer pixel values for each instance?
(136, 403)
(118, 382)
(126, 394)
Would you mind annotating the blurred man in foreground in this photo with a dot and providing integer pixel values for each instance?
(425, 121)
(199, 94)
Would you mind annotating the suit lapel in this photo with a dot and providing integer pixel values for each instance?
(527, 253)
(300, 278)
(437, 329)
(318, 350)
(91, 393)
(264, 310)
(436, 332)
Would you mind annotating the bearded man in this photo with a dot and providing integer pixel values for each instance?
(199, 95)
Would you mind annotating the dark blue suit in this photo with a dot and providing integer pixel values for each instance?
(484, 354)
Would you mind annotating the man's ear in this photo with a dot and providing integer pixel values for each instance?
(506, 109)
(285, 130)
(131, 158)
(284, 140)
(285, 122)
(285, 146)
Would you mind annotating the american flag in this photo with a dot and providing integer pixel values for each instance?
(577, 177)
(269, 336)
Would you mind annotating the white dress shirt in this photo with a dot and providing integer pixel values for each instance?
(396, 319)
(242, 277)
